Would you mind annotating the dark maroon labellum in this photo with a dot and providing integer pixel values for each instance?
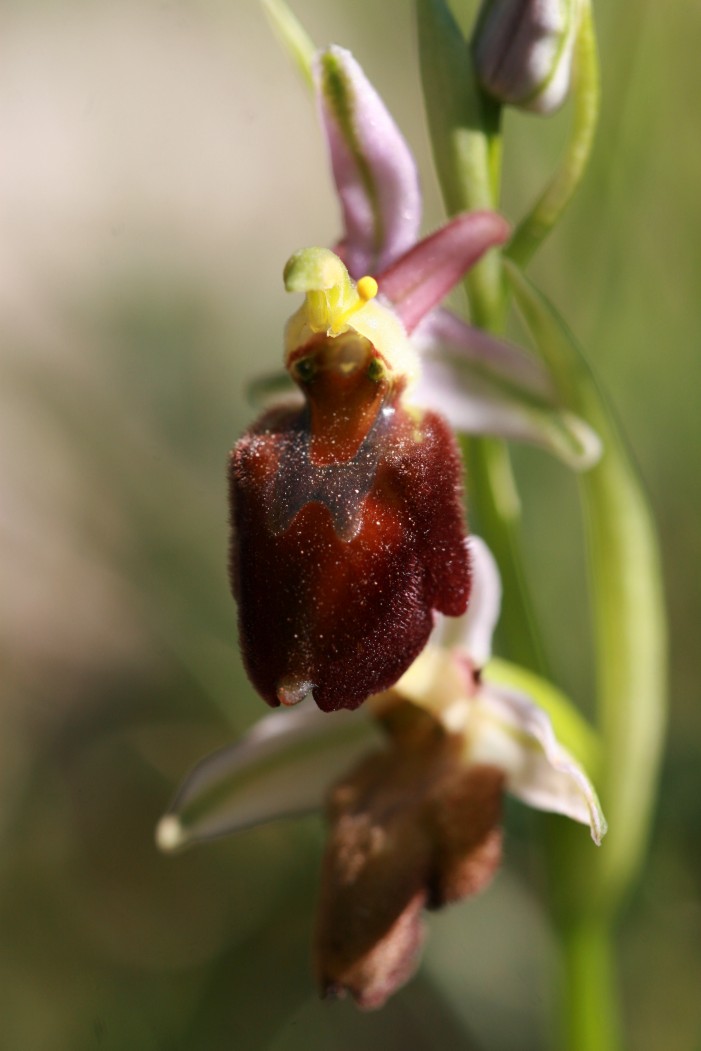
(348, 531)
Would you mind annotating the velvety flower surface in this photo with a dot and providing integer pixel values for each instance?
(339, 599)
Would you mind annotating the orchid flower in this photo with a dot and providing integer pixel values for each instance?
(347, 522)
(348, 529)
(414, 823)
(482, 385)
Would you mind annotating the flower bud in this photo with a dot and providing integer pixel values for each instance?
(523, 51)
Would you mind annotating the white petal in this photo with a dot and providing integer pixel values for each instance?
(473, 632)
(485, 603)
(444, 333)
(282, 766)
(485, 385)
(439, 683)
(508, 730)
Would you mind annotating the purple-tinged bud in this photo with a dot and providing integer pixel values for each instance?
(523, 51)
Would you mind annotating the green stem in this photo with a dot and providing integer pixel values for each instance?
(630, 637)
(465, 128)
(293, 37)
(464, 136)
(466, 147)
(535, 227)
(628, 609)
(493, 110)
(586, 970)
(589, 1002)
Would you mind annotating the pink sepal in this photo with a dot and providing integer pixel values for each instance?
(424, 275)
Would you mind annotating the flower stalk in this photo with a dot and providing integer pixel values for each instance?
(628, 607)
(415, 822)
(589, 1000)
(534, 227)
(464, 122)
(463, 127)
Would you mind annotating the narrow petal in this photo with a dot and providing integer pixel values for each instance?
(485, 385)
(282, 766)
(472, 633)
(445, 332)
(372, 165)
(485, 604)
(423, 276)
(571, 728)
(506, 729)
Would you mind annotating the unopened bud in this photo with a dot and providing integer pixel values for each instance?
(523, 51)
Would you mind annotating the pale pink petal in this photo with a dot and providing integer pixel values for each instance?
(372, 165)
(483, 611)
(472, 633)
(445, 333)
(486, 386)
(423, 276)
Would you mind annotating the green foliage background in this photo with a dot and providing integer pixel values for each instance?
(160, 162)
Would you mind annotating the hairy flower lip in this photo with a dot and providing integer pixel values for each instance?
(348, 531)
(411, 828)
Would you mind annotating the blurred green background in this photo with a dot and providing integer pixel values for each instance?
(160, 161)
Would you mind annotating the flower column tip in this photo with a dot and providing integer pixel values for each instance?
(170, 834)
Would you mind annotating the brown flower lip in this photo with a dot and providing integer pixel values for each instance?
(411, 828)
(344, 541)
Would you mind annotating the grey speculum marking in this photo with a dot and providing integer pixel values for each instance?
(340, 487)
